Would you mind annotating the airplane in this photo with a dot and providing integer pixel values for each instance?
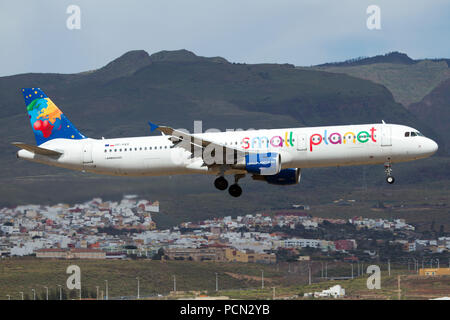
(275, 156)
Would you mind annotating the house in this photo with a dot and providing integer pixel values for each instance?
(434, 272)
(336, 292)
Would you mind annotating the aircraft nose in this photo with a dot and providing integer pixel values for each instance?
(431, 147)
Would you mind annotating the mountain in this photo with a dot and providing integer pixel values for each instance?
(391, 57)
(409, 80)
(178, 87)
(434, 109)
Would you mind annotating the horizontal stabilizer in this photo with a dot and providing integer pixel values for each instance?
(36, 149)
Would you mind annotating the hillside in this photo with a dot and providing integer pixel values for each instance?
(409, 80)
(434, 109)
(178, 87)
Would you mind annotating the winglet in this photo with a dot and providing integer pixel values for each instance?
(153, 126)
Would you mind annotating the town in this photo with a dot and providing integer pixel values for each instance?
(99, 229)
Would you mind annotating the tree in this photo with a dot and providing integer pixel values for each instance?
(157, 256)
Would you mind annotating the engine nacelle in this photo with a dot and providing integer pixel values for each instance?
(284, 177)
(268, 163)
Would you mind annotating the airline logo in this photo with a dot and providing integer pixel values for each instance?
(338, 138)
(287, 139)
(264, 142)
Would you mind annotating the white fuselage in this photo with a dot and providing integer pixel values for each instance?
(298, 147)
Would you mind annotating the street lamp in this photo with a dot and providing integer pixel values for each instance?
(97, 291)
(106, 295)
(389, 267)
(60, 291)
(217, 281)
(34, 294)
(21, 293)
(46, 292)
(174, 284)
(9, 297)
(309, 274)
(138, 295)
(262, 279)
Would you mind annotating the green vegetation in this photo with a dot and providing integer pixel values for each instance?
(156, 277)
(236, 280)
(412, 287)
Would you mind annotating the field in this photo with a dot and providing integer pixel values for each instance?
(235, 280)
(156, 277)
(412, 288)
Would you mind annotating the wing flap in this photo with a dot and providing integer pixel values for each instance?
(36, 149)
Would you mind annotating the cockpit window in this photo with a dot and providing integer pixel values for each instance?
(413, 134)
(406, 134)
(419, 134)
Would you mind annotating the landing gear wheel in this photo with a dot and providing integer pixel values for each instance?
(235, 190)
(390, 179)
(388, 171)
(221, 183)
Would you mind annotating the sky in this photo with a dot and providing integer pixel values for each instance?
(34, 36)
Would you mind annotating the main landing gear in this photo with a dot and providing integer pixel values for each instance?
(221, 183)
(388, 170)
(234, 190)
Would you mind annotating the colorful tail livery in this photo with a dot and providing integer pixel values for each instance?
(47, 121)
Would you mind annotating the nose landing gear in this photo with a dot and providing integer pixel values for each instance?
(388, 170)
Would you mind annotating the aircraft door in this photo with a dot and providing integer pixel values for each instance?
(386, 135)
(87, 153)
(301, 142)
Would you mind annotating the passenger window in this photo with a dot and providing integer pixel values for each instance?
(140, 148)
(145, 148)
(406, 134)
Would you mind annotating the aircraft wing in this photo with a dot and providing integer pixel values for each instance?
(36, 149)
(189, 142)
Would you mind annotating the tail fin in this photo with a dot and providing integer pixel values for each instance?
(47, 121)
